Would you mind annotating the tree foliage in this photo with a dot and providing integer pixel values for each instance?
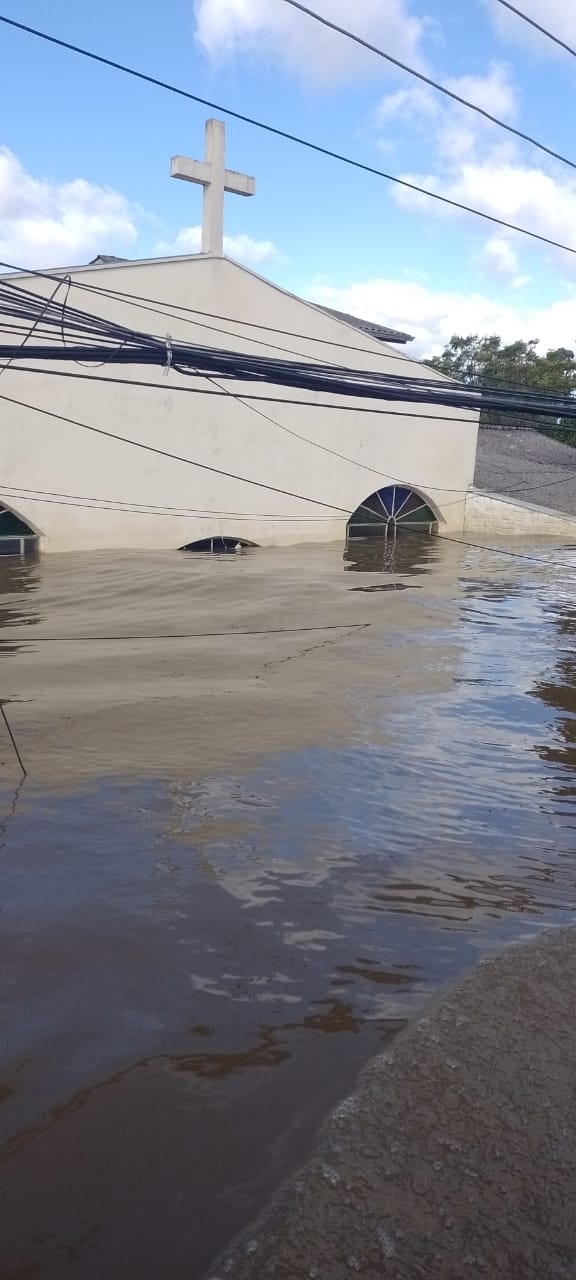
(520, 365)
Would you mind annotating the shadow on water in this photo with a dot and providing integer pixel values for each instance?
(196, 965)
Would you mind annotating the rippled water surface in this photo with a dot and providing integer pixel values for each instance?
(273, 802)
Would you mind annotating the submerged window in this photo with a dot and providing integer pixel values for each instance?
(16, 537)
(218, 546)
(394, 507)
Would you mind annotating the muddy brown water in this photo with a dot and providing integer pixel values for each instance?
(266, 817)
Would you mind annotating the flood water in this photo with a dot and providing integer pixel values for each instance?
(273, 803)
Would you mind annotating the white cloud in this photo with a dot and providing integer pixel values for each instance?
(493, 92)
(454, 131)
(474, 164)
(407, 105)
(253, 253)
(557, 16)
(433, 316)
(272, 31)
(499, 258)
(518, 193)
(47, 224)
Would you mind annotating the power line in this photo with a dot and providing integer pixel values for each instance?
(202, 362)
(98, 340)
(537, 27)
(410, 484)
(433, 84)
(501, 551)
(134, 508)
(192, 635)
(261, 485)
(202, 391)
(34, 327)
(13, 740)
(273, 400)
(191, 462)
(172, 310)
(161, 308)
(315, 444)
(289, 137)
(124, 345)
(162, 509)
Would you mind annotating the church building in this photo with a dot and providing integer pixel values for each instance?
(121, 457)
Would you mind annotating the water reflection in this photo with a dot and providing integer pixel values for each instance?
(18, 579)
(558, 691)
(407, 553)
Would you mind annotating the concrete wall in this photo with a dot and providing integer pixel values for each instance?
(102, 493)
(489, 513)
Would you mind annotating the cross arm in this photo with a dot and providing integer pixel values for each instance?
(191, 170)
(239, 183)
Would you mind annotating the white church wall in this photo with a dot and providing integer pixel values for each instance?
(84, 476)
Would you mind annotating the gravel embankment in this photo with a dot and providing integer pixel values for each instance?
(527, 466)
(457, 1155)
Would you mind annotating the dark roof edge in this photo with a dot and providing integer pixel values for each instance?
(378, 331)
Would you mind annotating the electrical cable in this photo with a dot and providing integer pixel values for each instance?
(409, 484)
(127, 298)
(98, 340)
(13, 741)
(12, 492)
(433, 84)
(201, 362)
(173, 310)
(191, 462)
(134, 507)
(282, 133)
(34, 326)
(537, 27)
(163, 509)
(115, 343)
(84, 322)
(273, 400)
(315, 444)
(500, 551)
(259, 484)
(122, 345)
(543, 484)
(192, 635)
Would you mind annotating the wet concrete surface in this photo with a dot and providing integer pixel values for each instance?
(456, 1154)
(241, 863)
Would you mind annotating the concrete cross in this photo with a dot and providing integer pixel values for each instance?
(212, 174)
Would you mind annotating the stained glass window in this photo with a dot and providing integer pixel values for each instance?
(16, 537)
(389, 509)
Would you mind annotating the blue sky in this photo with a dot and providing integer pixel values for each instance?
(85, 160)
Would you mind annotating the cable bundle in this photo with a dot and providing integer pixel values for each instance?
(53, 331)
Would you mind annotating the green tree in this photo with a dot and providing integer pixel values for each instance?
(487, 360)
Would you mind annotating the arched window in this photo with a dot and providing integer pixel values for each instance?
(218, 545)
(16, 537)
(389, 509)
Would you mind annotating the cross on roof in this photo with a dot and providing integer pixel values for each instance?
(215, 178)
